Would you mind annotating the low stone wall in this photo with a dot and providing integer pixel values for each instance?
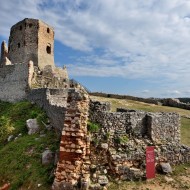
(14, 82)
(164, 127)
(139, 124)
(54, 102)
(130, 162)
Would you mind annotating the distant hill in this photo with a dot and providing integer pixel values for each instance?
(185, 100)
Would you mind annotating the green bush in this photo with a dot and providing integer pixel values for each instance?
(6, 128)
(93, 127)
(121, 139)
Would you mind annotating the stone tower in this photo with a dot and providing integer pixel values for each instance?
(31, 39)
(4, 53)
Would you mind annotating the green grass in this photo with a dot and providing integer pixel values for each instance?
(185, 131)
(131, 104)
(93, 127)
(20, 160)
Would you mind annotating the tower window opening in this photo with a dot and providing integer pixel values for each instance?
(20, 27)
(48, 31)
(18, 45)
(48, 49)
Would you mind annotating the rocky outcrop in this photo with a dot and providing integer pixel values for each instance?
(175, 103)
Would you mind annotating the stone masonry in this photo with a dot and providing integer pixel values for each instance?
(28, 62)
(73, 166)
(127, 134)
(31, 39)
(138, 124)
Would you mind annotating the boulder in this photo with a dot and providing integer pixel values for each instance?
(10, 138)
(32, 126)
(48, 157)
(104, 146)
(164, 167)
(103, 180)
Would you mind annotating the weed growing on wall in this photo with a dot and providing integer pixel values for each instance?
(93, 127)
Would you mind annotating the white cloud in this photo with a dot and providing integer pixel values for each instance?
(145, 91)
(141, 39)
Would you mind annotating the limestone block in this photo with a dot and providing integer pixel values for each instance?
(32, 126)
(103, 180)
(104, 146)
(47, 157)
(165, 167)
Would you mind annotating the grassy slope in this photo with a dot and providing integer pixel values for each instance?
(20, 160)
(185, 123)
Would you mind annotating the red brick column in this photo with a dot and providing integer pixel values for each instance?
(73, 166)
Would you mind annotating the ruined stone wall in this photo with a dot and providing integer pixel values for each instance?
(23, 42)
(50, 77)
(124, 136)
(14, 82)
(31, 39)
(130, 162)
(4, 53)
(54, 102)
(73, 167)
(164, 127)
(45, 45)
(139, 124)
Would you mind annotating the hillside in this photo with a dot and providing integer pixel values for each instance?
(20, 160)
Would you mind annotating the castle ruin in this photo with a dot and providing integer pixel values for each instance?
(29, 40)
(28, 72)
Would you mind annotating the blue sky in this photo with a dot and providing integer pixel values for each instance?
(133, 47)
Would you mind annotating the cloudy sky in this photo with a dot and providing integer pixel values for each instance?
(134, 47)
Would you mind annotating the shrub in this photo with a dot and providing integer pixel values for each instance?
(93, 127)
(121, 140)
(6, 128)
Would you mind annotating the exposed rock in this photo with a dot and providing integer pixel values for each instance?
(10, 138)
(165, 167)
(39, 185)
(104, 146)
(32, 126)
(47, 157)
(96, 186)
(168, 179)
(103, 180)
